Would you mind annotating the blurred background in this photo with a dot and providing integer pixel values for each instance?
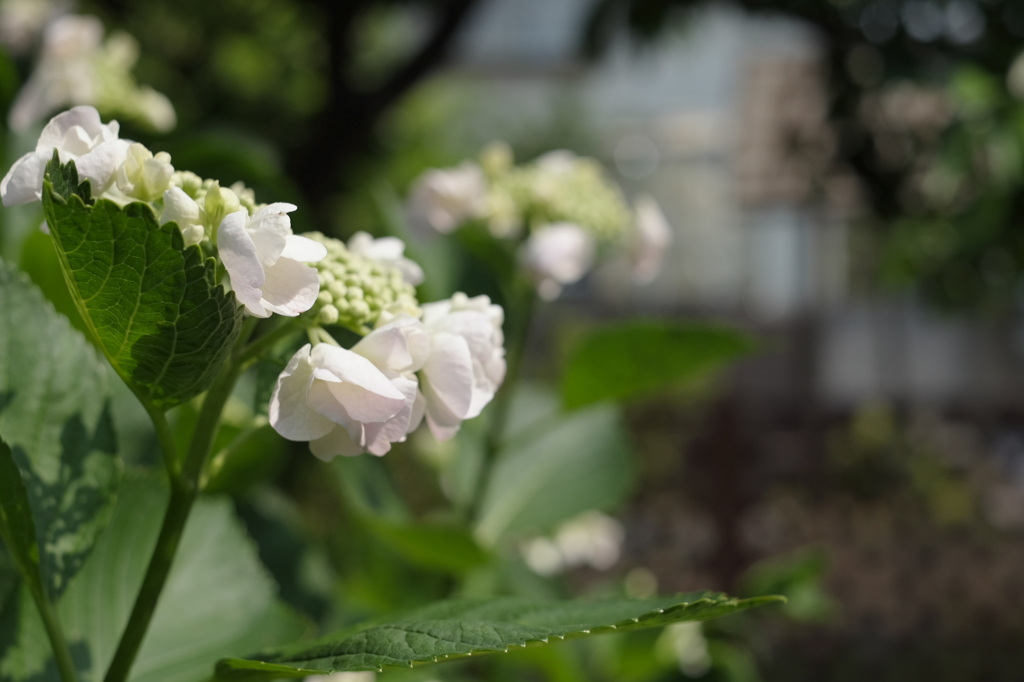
(844, 180)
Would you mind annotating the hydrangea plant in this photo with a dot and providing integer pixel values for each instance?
(184, 285)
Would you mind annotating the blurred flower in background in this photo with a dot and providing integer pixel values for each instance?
(557, 214)
(76, 66)
(22, 21)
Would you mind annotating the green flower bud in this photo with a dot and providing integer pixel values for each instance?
(359, 290)
(245, 196)
(190, 183)
(219, 203)
(328, 315)
(145, 176)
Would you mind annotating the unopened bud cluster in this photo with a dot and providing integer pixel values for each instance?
(579, 194)
(359, 292)
(559, 187)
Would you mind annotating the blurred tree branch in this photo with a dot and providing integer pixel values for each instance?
(345, 130)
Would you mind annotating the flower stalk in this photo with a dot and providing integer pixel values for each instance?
(185, 478)
(58, 642)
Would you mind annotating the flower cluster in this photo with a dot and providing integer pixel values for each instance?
(442, 368)
(77, 67)
(265, 262)
(441, 362)
(561, 209)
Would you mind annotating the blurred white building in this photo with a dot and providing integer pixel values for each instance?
(723, 121)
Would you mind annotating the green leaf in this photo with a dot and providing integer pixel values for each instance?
(218, 600)
(58, 470)
(555, 471)
(439, 546)
(153, 305)
(639, 359)
(17, 530)
(466, 627)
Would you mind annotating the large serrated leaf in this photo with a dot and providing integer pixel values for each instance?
(58, 469)
(638, 359)
(468, 627)
(154, 306)
(219, 598)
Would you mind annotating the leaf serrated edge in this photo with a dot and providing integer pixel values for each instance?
(209, 265)
(236, 668)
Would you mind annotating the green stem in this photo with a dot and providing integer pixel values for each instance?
(61, 651)
(247, 354)
(524, 299)
(184, 491)
(153, 583)
(168, 446)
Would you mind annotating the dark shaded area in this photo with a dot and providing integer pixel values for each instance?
(309, 89)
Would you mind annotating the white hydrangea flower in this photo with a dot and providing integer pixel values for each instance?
(64, 74)
(443, 198)
(591, 539)
(156, 109)
(337, 400)
(466, 363)
(557, 254)
(21, 21)
(388, 251)
(76, 67)
(650, 239)
(77, 134)
(182, 209)
(144, 176)
(267, 264)
(398, 349)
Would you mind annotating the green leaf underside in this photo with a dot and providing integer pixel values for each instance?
(154, 306)
(639, 359)
(218, 600)
(59, 469)
(467, 627)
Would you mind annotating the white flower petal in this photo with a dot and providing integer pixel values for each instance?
(379, 436)
(335, 443)
(56, 130)
(448, 376)
(290, 287)
(243, 265)
(560, 252)
(24, 181)
(399, 346)
(443, 424)
(289, 413)
(269, 229)
(330, 403)
(99, 165)
(179, 208)
(387, 251)
(341, 365)
(442, 199)
(651, 237)
(303, 249)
